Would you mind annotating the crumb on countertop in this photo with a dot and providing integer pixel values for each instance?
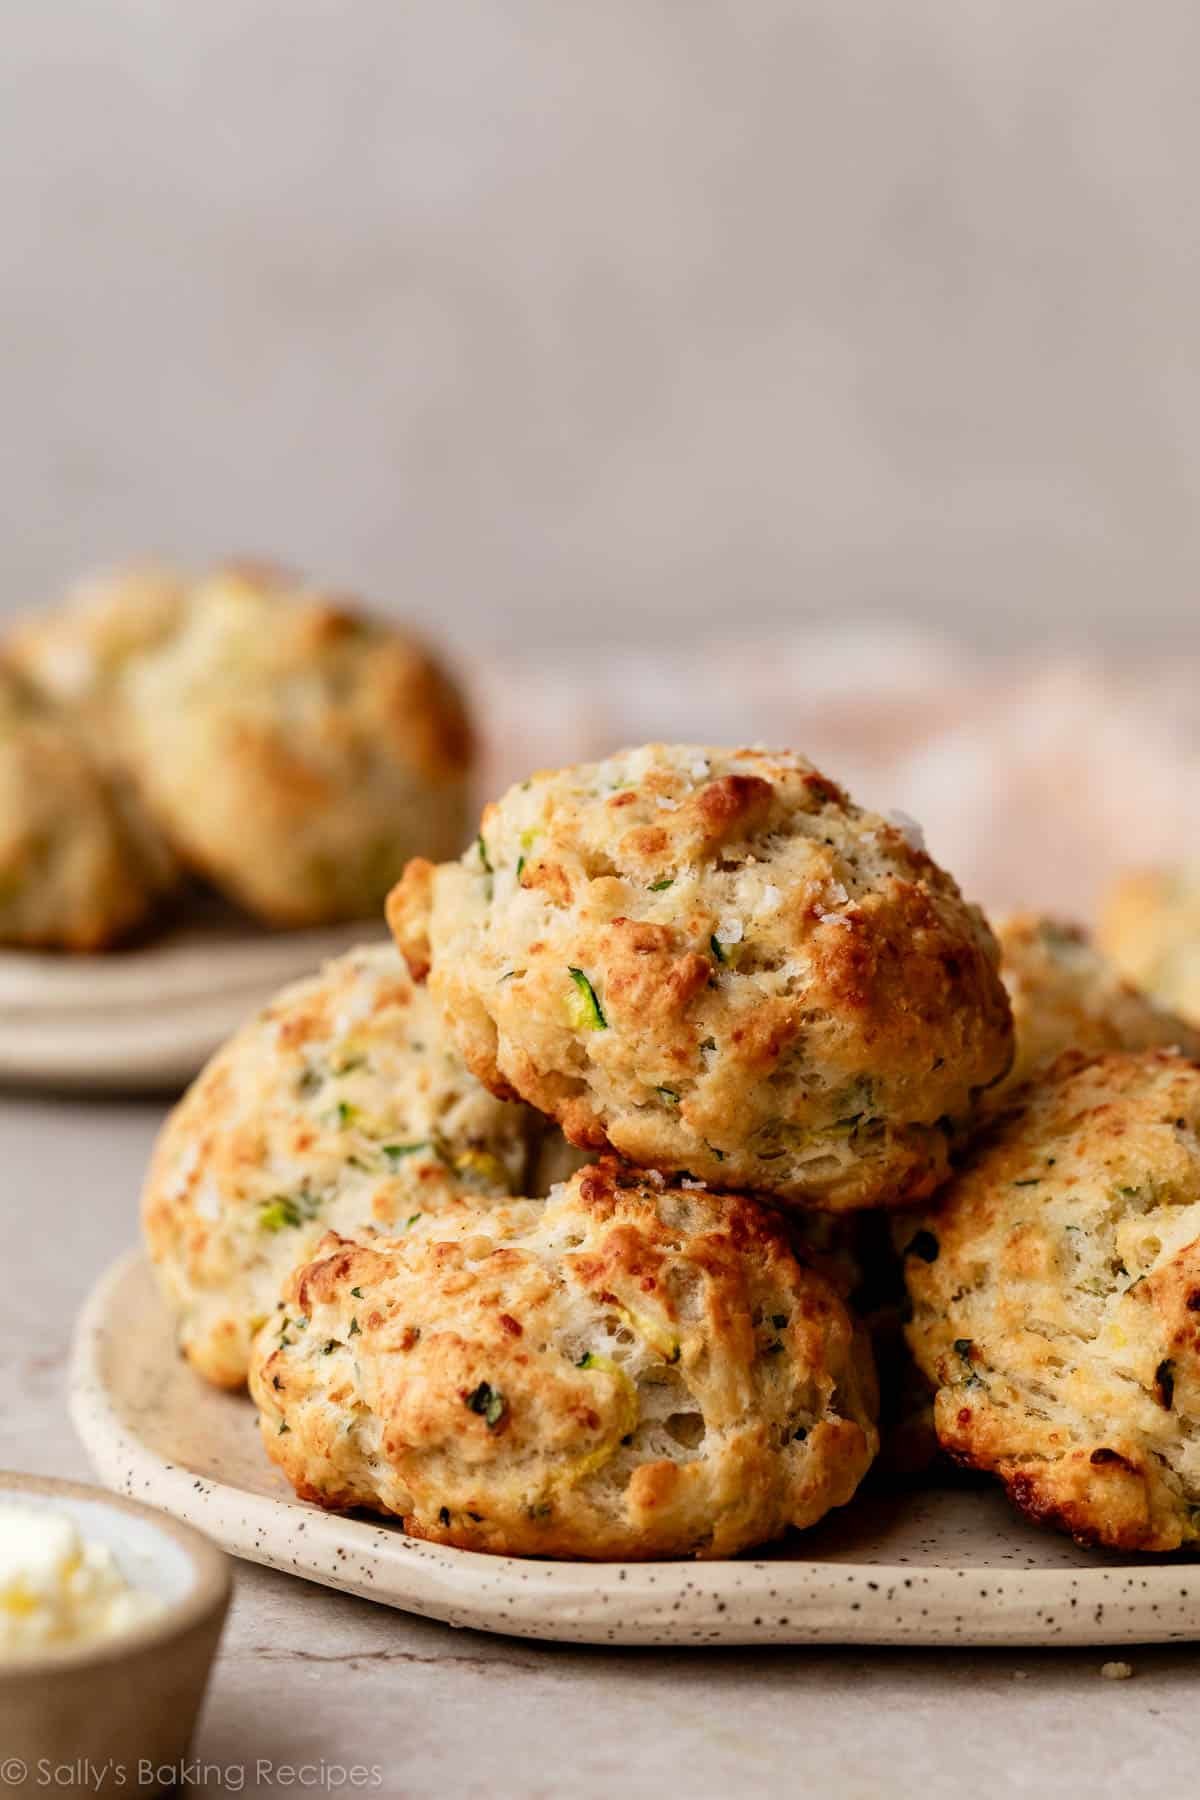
(1116, 1671)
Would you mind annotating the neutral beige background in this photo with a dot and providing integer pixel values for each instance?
(560, 321)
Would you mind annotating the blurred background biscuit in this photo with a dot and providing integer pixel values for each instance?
(295, 752)
(76, 872)
(1150, 926)
(1067, 994)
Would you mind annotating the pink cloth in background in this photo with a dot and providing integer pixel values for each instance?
(1033, 782)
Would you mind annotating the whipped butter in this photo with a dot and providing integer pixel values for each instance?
(58, 1589)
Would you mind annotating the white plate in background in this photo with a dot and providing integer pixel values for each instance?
(944, 1567)
(148, 1018)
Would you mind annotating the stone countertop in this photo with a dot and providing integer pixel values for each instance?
(310, 1677)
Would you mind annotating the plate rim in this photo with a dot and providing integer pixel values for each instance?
(184, 965)
(147, 1020)
(711, 1601)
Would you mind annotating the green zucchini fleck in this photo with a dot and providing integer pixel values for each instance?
(484, 858)
(669, 1094)
(658, 887)
(718, 953)
(288, 1211)
(395, 1152)
(488, 1402)
(587, 1013)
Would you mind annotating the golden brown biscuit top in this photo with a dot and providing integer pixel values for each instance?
(683, 862)
(713, 961)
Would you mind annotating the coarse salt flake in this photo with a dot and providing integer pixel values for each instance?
(185, 1168)
(729, 931)
(207, 1204)
(908, 827)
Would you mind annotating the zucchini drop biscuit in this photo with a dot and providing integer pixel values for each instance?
(1150, 926)
(342, 1104)
(78, 652)
(1056, 1301)
(713, 962)
(295, 752)
(627, 1369)
(75, 873)
(1067, 995)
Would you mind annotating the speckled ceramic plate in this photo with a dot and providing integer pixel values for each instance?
(146, 1019)
(927, 1568)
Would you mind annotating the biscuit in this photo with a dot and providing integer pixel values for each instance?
(77, 656)
(77, 653)
(628, 1369)
(1150, 926)
(341, 1104)
(1056, 1301)
(296, 753)
(74, 874)
(1067, 995)
(713, 962)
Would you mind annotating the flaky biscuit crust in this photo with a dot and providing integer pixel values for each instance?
(625, 1370)
(713, 962)
(296, 753)
(1067, 994)
(342, 1104)
(1056, 1301)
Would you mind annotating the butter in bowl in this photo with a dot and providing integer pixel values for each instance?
(110, 1615)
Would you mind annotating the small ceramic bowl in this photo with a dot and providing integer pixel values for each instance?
(106, 1717)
